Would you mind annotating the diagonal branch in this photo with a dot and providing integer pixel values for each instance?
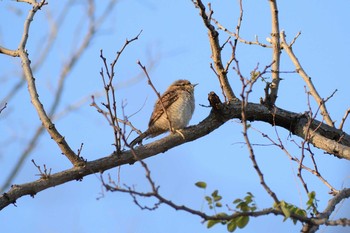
(307, 79)
(288, 120)
(34, 96)
(94, 26)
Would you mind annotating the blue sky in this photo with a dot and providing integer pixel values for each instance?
(175, 38)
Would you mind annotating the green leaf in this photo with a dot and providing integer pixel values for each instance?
(311, 195)
(208, 199)
(231, 226)
(217, 198)
(248, 199)
(237, 201)
(285, 210)
(201, 184)
(250, 194)
(215, 193)
(242, 221)
(212, 223)
(243, 206)
(218, 204)
(300, 212)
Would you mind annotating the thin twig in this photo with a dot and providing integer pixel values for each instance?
(344, 119)
(240, 39)
(157, 93)
(58, 94)
(3, 107)
(295, 39)
(244, 96)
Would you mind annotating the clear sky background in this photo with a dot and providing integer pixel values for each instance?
(174, 39)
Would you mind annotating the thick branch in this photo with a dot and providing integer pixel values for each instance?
(295, 123)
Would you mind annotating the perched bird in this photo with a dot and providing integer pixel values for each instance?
(178, 102)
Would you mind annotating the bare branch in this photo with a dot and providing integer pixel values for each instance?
(45, 119)
(32, 2)
(3, 107)
(216, 51)
(307, 80)
(323, 218)
(295, 39)
(9, 52)
(92, 30)
(292, 121)
(344, 119)
(295, 159)
(246, 90)
(275, 69)
(240, 39)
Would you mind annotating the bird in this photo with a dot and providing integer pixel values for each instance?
(179, 103)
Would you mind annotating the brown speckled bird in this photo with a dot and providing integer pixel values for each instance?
(178, 101)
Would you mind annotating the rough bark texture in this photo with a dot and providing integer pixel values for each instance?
(329, 139)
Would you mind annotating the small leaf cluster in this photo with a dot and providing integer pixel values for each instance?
(214, 199)
(246, 204)
(289, 209)
(312, 203)
(232, 224)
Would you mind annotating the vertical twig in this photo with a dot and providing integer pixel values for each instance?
(276, 51)
(216, 51)
(244, 95)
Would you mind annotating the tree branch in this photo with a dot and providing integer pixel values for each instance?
(216, 52)
(34, 96)
(299, 69)
(254, 112)
(323, 218)
(275, 41)
(93, 27)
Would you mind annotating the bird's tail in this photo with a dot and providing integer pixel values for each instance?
(138, 140)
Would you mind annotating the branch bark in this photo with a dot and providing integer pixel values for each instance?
(215, 47)
(307, 79)
(276, 52)
(34, 96)
(294, 122)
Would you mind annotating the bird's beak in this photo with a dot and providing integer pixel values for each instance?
(194, 84)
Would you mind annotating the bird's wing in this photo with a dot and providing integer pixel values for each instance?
(168, 98)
